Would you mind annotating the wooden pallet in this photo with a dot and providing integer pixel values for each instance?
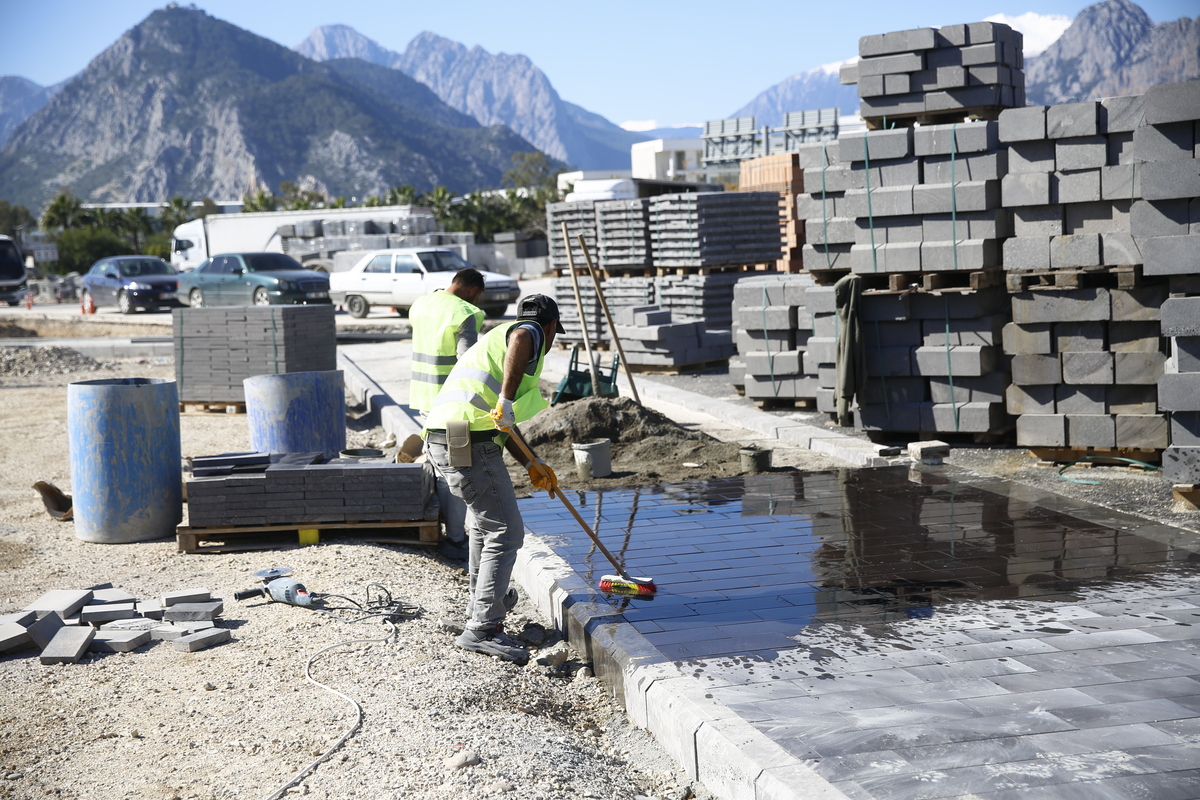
(954, 280)
(212, 408)
(1102, 277)
(660, 272)
(1065, 455)
(190, 539)
(933, 118)
(1187, 493)
(776, 403)
(680, 369)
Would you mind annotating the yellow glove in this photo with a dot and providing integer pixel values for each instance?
(541, 476)
(503, 415)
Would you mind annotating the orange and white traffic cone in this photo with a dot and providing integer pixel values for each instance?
(29, 300)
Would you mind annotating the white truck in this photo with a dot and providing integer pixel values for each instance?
(314, 237)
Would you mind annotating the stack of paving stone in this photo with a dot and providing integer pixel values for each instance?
(618, 292)
(783, 174)
(715, 229)
(772, 328)
(1179, 389)
(934, 361)
(829, 231)
(921, 200)
(217, 348)
(1086, 364)
(930, 72)
(622, 234)
(1072, 183)
(64, 624)
(700, 298)
(580, 217)
(651, 337)
(295, 492)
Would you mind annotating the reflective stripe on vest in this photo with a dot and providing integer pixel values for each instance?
(473, 388)
(435, 320)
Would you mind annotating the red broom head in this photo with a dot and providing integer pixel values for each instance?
(614, 584)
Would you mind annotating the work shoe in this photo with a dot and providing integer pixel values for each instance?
(455, 551)
(492, 643)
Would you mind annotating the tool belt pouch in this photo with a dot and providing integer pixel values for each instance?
(458, 443)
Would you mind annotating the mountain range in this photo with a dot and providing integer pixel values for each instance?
(494, 89)
(184, 103)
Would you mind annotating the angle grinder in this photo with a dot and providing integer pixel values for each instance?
(277, 587)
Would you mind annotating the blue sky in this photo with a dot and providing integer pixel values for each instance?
(673, 62)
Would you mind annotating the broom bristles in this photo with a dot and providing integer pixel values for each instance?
(615, 584)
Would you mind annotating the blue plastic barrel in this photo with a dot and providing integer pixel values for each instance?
(297, 412)
(126, 479)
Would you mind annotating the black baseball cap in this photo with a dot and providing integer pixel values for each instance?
(539, 308)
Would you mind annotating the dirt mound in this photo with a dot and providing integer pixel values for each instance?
(647, 447)
(23, 362)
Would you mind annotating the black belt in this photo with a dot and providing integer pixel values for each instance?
(477, 437)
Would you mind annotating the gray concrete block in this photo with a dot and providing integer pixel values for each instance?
(989, 388)
(1087, 368)
(1159, 218)
(888, 417)
(1176, 392)
(886, 308)
(979, 167)
(1149, 431)
(1133, 337)
(105, 596)
(878, 145)
(1087, 152)
(897, 172)
(1170, 255)
(942, 140)
(197, 595)
(889, 362)
(1102, 217)
(1072, 252)
(1120, 149)
(1170, 142)
(22, 618)
(150, 609)
(135, 624)
(837, 230)
(1132, 399)
(13, 637)
(1119, 250)
(1079, 336)
(1042, 430)
(825, 258)
(961, 360)
(1076, 187)
(1072, 120)
(1143, 304)
(1081, 399)
(1185, 428)
(897, 257)
(1181, 316)
(966, 254)
(1181, 464)
(1186, 352)
(64, 601)
(785, 363)
(68, 645)
(1069, 305)
(1036, 370)
(1025, 189)
(982, 331)
(893, 201)
(965, 196)
(1029, 399)
(1039, 221)
(1022, 124)
(963, 417)
(45, 629)
(1135, 369)
(1091, 430)
(820, 300)
(118, 641)
(1122, 114)
(1026, 157)
(957, 305)
(187, 612)
(1033, 338)
(1172, 102)
(1120, 182)
(202, 640)
(1170, 180)
(106, 613)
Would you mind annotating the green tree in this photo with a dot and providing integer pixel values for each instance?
(64, 211)
(176, 212)
(79, 248)
(136, 222)
(108, 218)
(405, 195)
(440, 202)
(532, 171)
(208, 208)
(293, 198)
(158, 244)
(374, 201)
(338, 202)
(261, 200)
(14, 217)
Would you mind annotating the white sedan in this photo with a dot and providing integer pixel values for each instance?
(396, 278)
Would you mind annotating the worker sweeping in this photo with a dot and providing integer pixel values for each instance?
(445, 325)
(493, 386)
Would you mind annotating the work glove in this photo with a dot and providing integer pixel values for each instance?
(541, 476)
(503, 415)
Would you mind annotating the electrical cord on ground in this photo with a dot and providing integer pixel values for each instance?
(383, 606)
(1134, 461)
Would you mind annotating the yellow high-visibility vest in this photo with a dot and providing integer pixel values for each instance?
(435, 320)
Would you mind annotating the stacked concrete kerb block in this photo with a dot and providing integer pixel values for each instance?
(829, 230)
(1086, 364)
(651, 337)
(1073, 185)
(715, 229)
(622, 234)
(217, 348)
(1179, 388)
(928, 72)
(580, 217)
(773, 326)
(293, 493)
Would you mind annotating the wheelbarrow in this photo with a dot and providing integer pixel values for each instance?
(577, 383)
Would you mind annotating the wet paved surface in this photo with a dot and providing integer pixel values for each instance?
(920, 634)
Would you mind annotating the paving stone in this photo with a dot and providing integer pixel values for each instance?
(135, 624)
(1072, 119)
(1119, 250)
(106, 613)
(1086, 152)
(118, 641)
(1022, 124)
(1159, 218)
(1032, 338)
(964, 360)
(1025, 189)
(22, 618)
(1148, 431)
(150, 609)
(1181, 316)
(1027, 253)
(188, 612)
(1087, 368)
(13, 637)
(1029, 399)
(1039, 221)
(1138, 368)
(202, 640)
(1179, 391)
(1036, 370)
(879, 145)
(1134, 337)
(1132, 399)
(106, 596)
(45, 628)
(1122, 114)
(1066, 306)
(1172, 102)
(1170, 255)
(1120, 182)
(1186, 352)
(65, 601)
(1075, 187)
(1091, 430)
(1170, 180)
(1042, 430)
(1181, 464)
(1079, 336)
(1080, 399)
(68, 645)
(1171, 142)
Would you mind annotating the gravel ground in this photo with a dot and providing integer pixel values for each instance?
(239, 720)
(61, 327)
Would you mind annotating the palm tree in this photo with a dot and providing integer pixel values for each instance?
(176, 212)
(439, 202)
(64, 211)
(107, 218)
(262, 200)
(405, 195)
(135, 221)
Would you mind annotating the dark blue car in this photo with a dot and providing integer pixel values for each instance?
(130, 283)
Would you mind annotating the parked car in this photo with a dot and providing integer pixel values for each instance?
(12, 272)
(398, 277)
(130, 283)
(261, 279)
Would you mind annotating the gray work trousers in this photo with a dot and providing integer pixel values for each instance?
(454, 511)
(493, 523)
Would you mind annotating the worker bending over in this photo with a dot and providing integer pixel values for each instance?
(445, 324)
(493, 387)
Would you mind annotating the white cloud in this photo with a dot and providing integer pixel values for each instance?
(639, 125)
(1040, 30)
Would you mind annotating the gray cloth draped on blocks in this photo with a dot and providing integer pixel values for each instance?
(851, 355)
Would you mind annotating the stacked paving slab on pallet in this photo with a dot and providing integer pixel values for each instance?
(773, 327)
(580, 217)
(715, 229)
(651, 337)
(928, 72)
(618, 292)
(623, 234)
(288, 494)
(783, 174)
(217, 348)
(1086, 364)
